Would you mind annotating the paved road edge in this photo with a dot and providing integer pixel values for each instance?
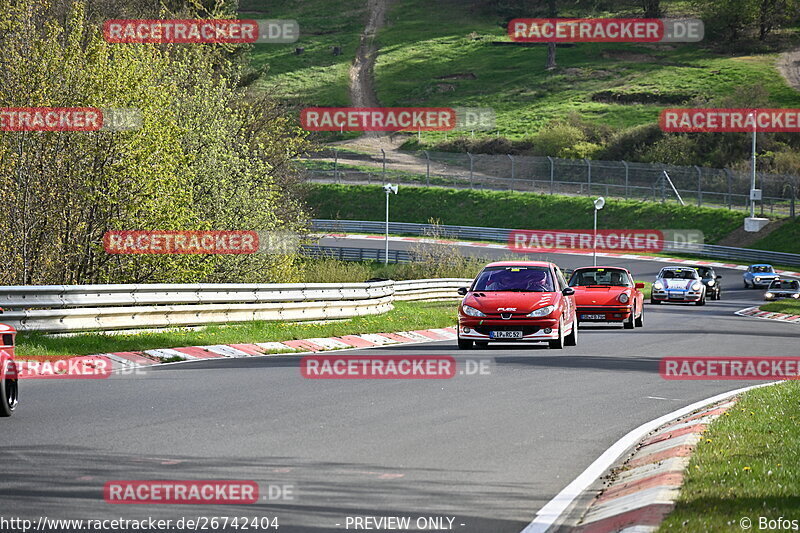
(554, 514)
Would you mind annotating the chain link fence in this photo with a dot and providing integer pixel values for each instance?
(692, 185)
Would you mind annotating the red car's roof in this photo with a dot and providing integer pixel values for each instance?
(520, 263)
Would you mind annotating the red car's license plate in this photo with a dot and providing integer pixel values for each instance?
(593, 317)
(505, 334)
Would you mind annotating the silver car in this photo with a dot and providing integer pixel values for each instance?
(782, 288)
(678, 284)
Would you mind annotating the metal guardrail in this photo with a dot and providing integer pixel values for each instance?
(69, 308)
(356, 254)
(501, 235)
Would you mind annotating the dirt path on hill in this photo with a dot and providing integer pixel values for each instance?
(789, 66)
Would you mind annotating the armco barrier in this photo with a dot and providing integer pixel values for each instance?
(70, 308)
(501, 235)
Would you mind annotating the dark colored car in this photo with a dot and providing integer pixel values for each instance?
(783, 288)
(711, 280)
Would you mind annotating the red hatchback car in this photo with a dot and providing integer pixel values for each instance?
(608, 294)
(518, 301)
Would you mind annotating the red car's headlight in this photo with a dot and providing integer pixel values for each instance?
(623, 298)
(471, 311)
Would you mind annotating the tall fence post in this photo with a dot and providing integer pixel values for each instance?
(471, 166)
(552, 173)
(383, 152)
(730, 187)
(627, 177)
(791, 202)
(699, 186)
(589, 176)
(513, 174)
(336, 165)
(427, 168)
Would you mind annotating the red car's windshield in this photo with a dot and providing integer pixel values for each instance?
(515, 278)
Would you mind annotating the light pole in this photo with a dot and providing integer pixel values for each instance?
(598, 205)
(388, 188)
(753, 184)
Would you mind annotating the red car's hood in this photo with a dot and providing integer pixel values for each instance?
(511, 302)
(589, 296)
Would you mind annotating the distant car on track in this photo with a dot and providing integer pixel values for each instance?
(608, 294)
(711, 280)
(518, 301)
(678, 284)
(9, 390)
(783, 288)
(759, 275)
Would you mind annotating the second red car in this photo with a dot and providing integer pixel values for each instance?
(608, 294)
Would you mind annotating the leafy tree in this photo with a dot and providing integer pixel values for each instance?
(206, 157)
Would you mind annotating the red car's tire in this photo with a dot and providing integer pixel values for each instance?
(572, 338)
(558, 344)
(9, 391)
(640, 320)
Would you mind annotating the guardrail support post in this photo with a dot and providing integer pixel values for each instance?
(730, 187)
(699, 186)
(552, 173)
(627, 176)
(427, 168)
(589, 176)
(471, 167)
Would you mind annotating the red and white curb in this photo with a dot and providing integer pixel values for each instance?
(558, 509)
(129, 360)
(755, 312)
(499, 246)
(642, 491)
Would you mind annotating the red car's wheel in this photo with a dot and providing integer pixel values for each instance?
(8, 390)
(558, 344)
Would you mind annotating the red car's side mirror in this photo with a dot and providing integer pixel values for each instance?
(640, 285)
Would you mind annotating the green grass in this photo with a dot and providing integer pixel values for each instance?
(427, 46)
(405, 316)
(417, 56)
(506, 209)
(747, 465)
(788, 306)
(784, 239)
(316, 77)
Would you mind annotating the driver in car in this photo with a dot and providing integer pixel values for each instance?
(537, 282)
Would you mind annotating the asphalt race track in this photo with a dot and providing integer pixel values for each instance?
(488, 450)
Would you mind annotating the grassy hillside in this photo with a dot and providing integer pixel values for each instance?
(784, 239)
(438, 53)
(423, 63)
(505, 209)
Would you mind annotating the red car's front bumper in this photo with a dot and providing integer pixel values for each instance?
(609, 313)
(533, 329)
